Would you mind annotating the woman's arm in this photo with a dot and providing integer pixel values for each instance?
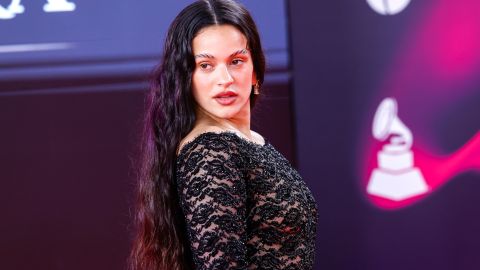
(213, 197)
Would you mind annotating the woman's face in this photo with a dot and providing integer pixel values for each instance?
(223, 76)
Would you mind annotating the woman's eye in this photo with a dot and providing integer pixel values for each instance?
(204, 66)
(237, 62)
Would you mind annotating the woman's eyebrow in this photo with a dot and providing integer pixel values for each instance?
(242, 51)
(206, 55)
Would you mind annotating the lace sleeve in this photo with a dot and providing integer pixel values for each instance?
(213, 197)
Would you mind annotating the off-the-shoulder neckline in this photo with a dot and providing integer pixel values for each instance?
(208, 133)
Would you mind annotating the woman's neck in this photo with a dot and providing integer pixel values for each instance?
(239, 123)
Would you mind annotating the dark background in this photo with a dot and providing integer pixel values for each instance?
(70, 120)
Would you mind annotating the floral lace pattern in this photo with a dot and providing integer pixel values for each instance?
(244, 205)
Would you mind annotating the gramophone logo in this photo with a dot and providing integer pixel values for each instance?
(396, 177)
(402, 174)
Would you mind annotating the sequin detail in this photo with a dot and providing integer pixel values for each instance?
(245, 206)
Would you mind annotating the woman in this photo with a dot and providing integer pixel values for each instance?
(212, 193)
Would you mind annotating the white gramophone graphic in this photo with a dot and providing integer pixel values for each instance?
(396, 178)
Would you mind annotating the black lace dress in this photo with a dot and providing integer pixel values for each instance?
(244, 205)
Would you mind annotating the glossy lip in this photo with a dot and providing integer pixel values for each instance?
(226, 97)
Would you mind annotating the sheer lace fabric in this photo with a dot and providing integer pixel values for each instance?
(244, 205)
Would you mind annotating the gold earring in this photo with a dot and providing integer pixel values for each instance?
(256, 89)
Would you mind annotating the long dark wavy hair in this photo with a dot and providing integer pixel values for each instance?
(160, 240)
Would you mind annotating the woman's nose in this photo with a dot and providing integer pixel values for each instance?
(224, 77)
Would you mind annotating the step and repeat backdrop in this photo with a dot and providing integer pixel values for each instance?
(386, 101)
(387, 109)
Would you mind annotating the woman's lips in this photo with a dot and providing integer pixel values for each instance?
(226, 98)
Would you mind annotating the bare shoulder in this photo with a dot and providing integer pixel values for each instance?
(197, 131)
(257, 137)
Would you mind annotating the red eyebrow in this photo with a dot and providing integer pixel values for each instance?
(242, 51)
